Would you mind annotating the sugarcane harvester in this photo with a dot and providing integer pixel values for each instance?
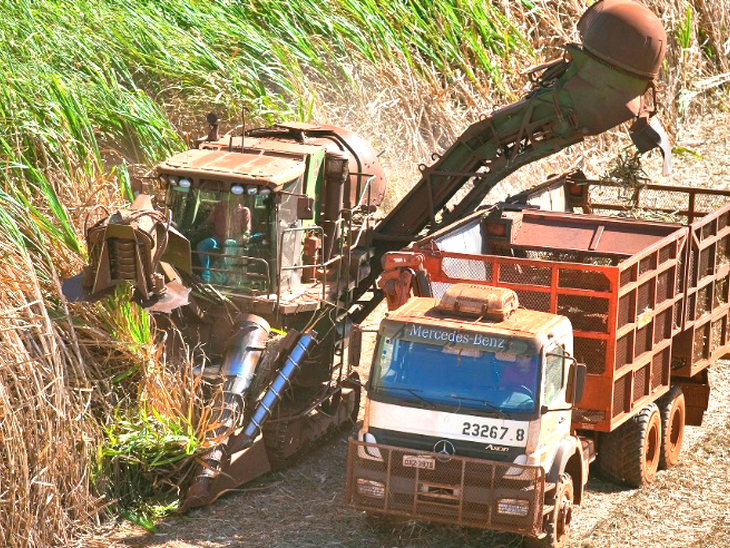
(273, 231)
(263, 238)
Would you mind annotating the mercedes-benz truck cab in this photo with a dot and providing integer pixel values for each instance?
(469, 403)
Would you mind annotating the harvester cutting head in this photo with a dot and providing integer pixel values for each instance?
(135, 245)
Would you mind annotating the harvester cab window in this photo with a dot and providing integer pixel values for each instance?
(229, 233)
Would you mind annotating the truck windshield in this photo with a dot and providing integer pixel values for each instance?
(225, 230)
(454, 378)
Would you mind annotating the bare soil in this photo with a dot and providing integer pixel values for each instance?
(304, 507)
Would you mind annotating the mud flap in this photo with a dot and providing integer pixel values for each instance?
(696, 396)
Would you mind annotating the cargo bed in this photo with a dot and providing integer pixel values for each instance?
(648, 300)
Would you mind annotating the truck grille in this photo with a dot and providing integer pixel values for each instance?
(434, 487)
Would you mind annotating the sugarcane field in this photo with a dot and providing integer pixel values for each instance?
(365, 274)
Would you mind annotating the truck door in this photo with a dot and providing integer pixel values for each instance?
(555, 425)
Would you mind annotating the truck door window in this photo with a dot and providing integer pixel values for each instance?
(554, 372)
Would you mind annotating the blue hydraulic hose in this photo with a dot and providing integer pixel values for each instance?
(279, 384)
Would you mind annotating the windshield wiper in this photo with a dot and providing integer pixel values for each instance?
(411, 391)
(490, 406)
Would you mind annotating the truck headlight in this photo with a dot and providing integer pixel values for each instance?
(517, 470)
(370, 452)
(370, 488)
(513, 507)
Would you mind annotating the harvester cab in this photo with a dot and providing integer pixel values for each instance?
(279, 219)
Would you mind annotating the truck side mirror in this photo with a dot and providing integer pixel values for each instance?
(576, 382)
(354, 346)
(305, 208)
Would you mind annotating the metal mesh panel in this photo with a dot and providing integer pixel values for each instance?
(660, 369)
(626, 309)
(448, 489)
(707, 230)
(645, 296)
(723, 250)
(525, 274)
(663, 199)
(643, 339)
(703, 301)
(718, 333)
(707, 202)
(663, 325)
(700, 349)
(585, 313)
(707, 261)
(467, 269)
(607, 194)
(627, 276)
(667, 252)
(677, 315)
(647, 264)
(721, 287)
(692, 279)
(641, 382)
(722, 221)
(680, 274)
(439, 288)
(621, 395)
(665, 286)
(582, 279)
(691, 300)
(533, 300)
(591, 352)
(565, 256)
(625, 350)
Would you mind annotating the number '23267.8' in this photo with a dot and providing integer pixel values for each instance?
(493, 432)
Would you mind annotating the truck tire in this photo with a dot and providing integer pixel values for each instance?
(672, 410)
(558, 524)
(630, 454)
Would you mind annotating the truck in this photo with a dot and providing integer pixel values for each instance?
(259, 250)
(539, 342)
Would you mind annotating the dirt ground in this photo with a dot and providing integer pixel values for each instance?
(304, 507)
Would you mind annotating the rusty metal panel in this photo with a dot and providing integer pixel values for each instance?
(455, 490)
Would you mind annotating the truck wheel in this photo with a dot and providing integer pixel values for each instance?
(672, 410)
(630, 454)
(558, 526)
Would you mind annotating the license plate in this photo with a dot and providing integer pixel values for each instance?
(419, 461)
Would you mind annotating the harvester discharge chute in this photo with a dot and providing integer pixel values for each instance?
(595, 86)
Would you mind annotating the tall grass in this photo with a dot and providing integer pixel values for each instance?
(96, 91)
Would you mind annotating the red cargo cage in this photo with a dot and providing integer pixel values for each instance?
(648, 300)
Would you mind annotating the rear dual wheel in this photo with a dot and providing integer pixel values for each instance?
(672, 410)
(631, 453)
(653, 439)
